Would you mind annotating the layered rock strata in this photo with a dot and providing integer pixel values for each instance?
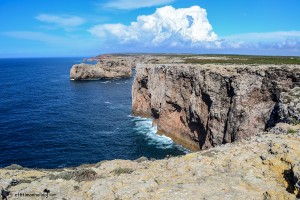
(202, 106)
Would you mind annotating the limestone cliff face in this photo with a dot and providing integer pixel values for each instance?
(103, 69)
(201, 106)
(117, 65)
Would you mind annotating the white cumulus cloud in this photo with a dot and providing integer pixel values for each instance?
(166, 27)
(64, 20)
(134, 4)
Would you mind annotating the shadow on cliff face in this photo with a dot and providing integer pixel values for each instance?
(292, 182)
(230, 93)
(197, 125)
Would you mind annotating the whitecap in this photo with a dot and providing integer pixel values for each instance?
(62, 165)
(113, 107)
(144, 126)
(105, 82)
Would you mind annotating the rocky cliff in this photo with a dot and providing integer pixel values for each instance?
(106, 68)
(263, 167)
(117, 65)
(202, 106)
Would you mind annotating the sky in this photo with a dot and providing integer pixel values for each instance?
(64, 28)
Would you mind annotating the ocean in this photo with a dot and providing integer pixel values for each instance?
(48, 121)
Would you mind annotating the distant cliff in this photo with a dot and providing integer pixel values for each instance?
(202, 106)
(112, 68)
(117, 65)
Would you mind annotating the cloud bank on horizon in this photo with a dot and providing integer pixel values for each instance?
(168, 27)
(189, 29)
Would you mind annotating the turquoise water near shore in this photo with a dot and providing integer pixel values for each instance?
(48, 121)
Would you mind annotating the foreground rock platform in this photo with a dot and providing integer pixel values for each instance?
(266, 166)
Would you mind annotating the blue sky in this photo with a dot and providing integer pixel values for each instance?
(57, 28)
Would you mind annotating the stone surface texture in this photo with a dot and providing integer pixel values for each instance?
(289, 106)
(116, 66)
(202, 106)
(266, 166)
(112, 68)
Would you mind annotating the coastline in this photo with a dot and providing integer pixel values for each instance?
(248, 169)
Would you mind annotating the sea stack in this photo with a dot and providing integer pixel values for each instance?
(113, 68)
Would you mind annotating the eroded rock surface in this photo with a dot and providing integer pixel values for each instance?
(114, 68)
(117, 66)
(289, 106)
(202, 106)
(263, 167)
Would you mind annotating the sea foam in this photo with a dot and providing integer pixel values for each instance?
(144, 126)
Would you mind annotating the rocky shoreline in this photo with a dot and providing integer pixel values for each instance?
(200, 105)
(265, 166)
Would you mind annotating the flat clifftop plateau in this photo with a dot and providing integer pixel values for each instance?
(202, 106)
(120, 65)
(263, 167)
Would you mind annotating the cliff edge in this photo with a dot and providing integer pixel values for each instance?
(263, 167)
(205, 105)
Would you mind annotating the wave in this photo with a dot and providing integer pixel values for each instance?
(105, 82)
(121, 83)
(144, 126)
(115, 106)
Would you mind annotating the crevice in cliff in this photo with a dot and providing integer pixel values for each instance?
(154, 113)
(275, 113)
(293, 182)
(144, 83)
(230, 94)
(176, 107)
(274, 117)
(207, 100)
(198, 125)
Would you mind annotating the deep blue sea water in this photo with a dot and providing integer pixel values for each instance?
(48, 121)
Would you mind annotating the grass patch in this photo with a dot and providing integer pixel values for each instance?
(247, 60)
(121, 170)
(291, 131)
